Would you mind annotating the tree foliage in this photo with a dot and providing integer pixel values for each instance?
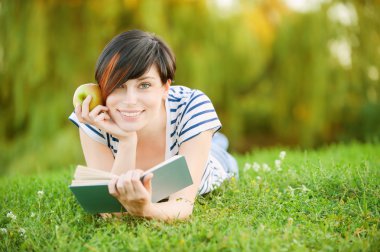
(274, 75)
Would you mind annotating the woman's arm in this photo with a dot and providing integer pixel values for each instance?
(98, 156)
(180, 204)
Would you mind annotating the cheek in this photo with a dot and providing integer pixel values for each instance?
(110, 101)
(157, 101)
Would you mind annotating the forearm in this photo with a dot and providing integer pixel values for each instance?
(125, 158)
(171, 210)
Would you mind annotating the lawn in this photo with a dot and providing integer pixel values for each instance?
(308, 200)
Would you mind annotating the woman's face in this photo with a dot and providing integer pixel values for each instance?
(138, 102)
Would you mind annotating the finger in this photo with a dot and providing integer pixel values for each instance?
(112, 187)
(86, 107)
(147, 182)
(128, 182)
(102, 117)
(140, 191)
(142, 176)
(120, 185)
(97, 110)
(106, 116)
(78, 112)
(136, 179)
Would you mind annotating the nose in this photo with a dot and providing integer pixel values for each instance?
(130, 96)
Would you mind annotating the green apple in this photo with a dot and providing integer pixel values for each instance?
(85, 90)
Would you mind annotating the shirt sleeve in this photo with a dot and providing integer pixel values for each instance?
(198, 115)
(93, 132)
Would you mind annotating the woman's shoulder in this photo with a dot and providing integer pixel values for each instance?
(182, 94)
(190, 113)
(187, 103)
(180, 91)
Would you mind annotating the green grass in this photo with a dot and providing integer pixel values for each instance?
(322, 200)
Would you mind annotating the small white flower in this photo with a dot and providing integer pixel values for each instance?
(304, 188)
(256, 167)
(291, 190)
(266, 167)
(11, 215)
(282, 155)
(3, 230)
(22, 231)
(258, 178)
(277, 163)
(40, 193)
(32, 214)
(247, 166)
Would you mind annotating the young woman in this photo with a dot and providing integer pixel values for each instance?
(145, 121)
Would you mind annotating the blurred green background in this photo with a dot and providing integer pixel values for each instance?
(291, 73)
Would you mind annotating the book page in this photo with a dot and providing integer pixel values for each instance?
(83, 173)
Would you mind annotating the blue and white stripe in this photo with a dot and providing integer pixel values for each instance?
(189, 112)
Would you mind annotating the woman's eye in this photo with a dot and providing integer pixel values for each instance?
(144, 85)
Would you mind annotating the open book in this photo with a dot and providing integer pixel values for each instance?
(90, 186)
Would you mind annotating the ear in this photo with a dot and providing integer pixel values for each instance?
(166, 88)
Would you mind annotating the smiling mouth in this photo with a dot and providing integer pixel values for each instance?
(131, 114)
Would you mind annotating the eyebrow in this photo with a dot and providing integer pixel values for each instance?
(145, 77)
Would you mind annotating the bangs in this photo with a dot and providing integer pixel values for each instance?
(129, 56)
(134, 63)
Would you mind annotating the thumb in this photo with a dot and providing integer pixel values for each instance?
(147, 182)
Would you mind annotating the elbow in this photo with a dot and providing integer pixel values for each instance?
(182, 215)
(179, 217)
(185, 214)
(171, 212)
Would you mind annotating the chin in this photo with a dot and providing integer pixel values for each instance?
(131, 126)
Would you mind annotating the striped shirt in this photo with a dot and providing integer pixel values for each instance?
(189, 112)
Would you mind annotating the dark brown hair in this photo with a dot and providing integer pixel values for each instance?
(128, 56)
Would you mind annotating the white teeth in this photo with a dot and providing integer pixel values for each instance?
(130, 114)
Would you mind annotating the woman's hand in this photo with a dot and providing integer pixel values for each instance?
(134, 195)
(100, 118)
